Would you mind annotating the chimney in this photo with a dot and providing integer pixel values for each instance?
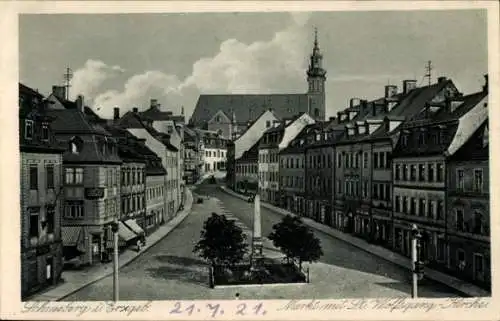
(59, 92)
(374, 109)
(353, 102)
(409, 85)
(135, 110)
(116, 113)
(154, 103)
(485, 86)
(80, 103)
(441, 79)
(331, 119)
(390, 91)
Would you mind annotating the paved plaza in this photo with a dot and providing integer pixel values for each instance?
(170, 270)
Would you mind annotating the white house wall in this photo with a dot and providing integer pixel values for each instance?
(253, 134)
(292, 130)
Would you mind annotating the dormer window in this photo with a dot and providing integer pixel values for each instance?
(45, 131)
(75, 145)
(318, 137)
(28, 129)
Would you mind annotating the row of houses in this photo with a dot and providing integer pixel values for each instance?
(415, 157)
(80, 173)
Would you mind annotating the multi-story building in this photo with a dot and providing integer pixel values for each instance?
(362, 173)
(215, 151)
(420, 183)
(191, 156)
(292, 173)
(247, 179)
(91, 182)
(468, 209)
(243, 150)
(171, 129)
(132, 182)
(319, 167)
(41, 195)
(160, 145)
(275, 139)
(156, 176)
(221, 112)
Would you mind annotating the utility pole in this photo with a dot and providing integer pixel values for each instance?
(68, 75)
(114, 228)
(428, 70)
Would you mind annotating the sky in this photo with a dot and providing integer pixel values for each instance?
(124, 60)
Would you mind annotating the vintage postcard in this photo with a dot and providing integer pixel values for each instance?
(249, 160)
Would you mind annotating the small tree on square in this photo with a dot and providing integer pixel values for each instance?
(222, 242)
(296, 240)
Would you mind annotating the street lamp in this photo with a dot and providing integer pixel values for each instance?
(417, 265)
(114, 229)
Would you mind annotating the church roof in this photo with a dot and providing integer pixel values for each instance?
(248, 107)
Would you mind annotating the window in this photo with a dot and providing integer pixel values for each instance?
(405, 172)
(459, 220)
(33, 177)
(382, 162)
(375, 191)
(440, 172)
(78, 175)
(45, 131)
(73, 209)
(387, 192)
(375, 160)
(430, 171)
(50, 219)
(413, 206)
(339, 160)
(421, 172)
(28, 129)
(460, 179)
(478, 180)
(365, 160)
(49, 170)
(421, 139)
(478, 266)
(405, 140)
(405, 205)
(34, 222)
(397, 172)
(413, 172)
(461, 259)
(440, 210)
(397, 203)
(478, 223)
(421, 207)
(365, 189)
(441, 247)
(268, 123)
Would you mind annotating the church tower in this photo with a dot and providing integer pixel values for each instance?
(316, 78)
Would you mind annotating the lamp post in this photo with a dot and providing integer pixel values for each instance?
(417, 265)
(114, 229)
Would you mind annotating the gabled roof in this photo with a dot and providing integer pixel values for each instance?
(248, 107)
(74, 122)
(154, 113)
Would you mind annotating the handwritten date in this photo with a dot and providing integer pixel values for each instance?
(215, 309)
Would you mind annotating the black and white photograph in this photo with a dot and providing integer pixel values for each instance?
(295, 155)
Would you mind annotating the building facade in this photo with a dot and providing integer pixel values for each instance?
(319, 175)
(92, 170)
(215, 151)
(468, 210)
(41, 195)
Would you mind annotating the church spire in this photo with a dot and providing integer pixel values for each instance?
(316, 64)
(316, 47)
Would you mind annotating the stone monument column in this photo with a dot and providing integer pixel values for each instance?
(257, 254)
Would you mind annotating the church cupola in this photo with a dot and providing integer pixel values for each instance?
(316, 78)
(316, 75)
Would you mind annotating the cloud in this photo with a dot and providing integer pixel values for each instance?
(276, 65)
(87, 80)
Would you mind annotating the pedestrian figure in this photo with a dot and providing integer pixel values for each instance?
(237, 296)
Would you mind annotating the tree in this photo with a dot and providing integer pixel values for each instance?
(296, 240)
(222, 242)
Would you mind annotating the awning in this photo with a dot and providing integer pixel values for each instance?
(132, 224)
(72, 236)
(125, 233)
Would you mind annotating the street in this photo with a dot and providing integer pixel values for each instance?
(170, 271)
